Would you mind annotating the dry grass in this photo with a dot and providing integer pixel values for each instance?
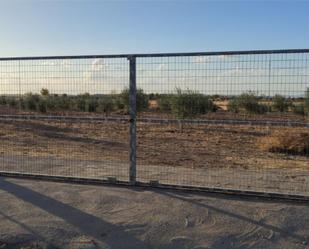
(287, 141)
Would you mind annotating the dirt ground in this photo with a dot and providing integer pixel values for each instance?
(192, 146)
(36, 214)
(226, 156)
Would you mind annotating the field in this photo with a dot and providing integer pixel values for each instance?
(226, 156)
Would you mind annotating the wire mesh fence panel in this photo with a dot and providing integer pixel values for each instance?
(227, 121)
(65, 117)
(230, 120)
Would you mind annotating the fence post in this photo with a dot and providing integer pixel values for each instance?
(132, 112)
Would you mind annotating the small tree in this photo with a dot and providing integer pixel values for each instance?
(44, 92)
(281, 104)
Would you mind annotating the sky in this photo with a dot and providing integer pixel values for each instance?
(50, 28)
(31, 28)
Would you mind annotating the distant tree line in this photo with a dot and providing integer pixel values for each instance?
(182, 104)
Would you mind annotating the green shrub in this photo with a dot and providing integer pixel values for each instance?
(233, 105)
(281, 104)
(164, 102)
(83, 102)
(248, 102)
(302, 108)
(3, 100)
(64, 103)
(299, 109)
(42, 105)
(141, 99)
(106, 105)
(188, 104)
(91, 104)
(31, 101)
(44, 92)
(12, 102)
(152, 96)
(119, 104)
(306, 102)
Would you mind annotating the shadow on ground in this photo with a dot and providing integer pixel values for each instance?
(113, 236)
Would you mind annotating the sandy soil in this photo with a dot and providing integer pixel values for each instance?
(199, 155)
(36, 214)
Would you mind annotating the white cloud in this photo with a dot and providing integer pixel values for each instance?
(98, 64)
(49, 63)
(225, 56)
(161, 66)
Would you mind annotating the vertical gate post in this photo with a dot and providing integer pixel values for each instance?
(132, 112)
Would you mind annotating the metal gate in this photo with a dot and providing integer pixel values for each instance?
(223, 121)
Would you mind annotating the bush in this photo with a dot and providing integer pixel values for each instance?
(248, 102)
(12, 102)
(31, 101)
(62, 102)
(299, 109)
(106, 105)
(91, 104)
(188, 104)
(86, 103)
(141, 99)
(119, 103)
(302, 108)
(3, 100)
(280, 103)
(164, 103)
(42, 105)
(233, 106)
(306, 102)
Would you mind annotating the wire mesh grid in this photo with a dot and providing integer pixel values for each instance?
(237, 122)
(233, 121)
(58, 116)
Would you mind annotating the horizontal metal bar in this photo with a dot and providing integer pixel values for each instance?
(287, 123)
(68, 179)
(247, 52)
(227, 122)
(230, 192)
(64, 118)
